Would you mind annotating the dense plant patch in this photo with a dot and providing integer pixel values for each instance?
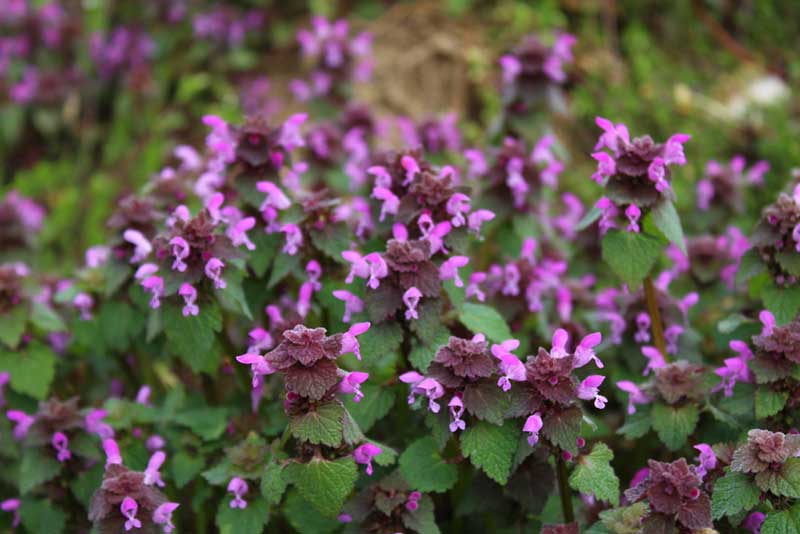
(318, 317)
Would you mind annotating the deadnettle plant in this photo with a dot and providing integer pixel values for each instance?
(388, 506)
(776, 239)
(723, 186)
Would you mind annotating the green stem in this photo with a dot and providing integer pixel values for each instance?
(563, 489)
(655, 316)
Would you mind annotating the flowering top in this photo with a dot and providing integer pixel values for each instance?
(765, 450)
(20, 220)
(636, 171)
(777, 237)
(723, 185)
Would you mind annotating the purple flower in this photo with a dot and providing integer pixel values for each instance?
(155, 286)
(412, 503)
(163, 516)
(449, 269)
(707, 459)
(258, 365)
(657, 173)
(129, 508)
(181, 251)
(352, 303)
(734, 369)
(5, 378)
(155, 442)
(420, 385)
(456, 406)
(390, 201)
(511, 68)
(434, 233)
(349, 340)
(142, 247)
(111, 449)
(635, 395)
(473, 288)
(477, 163)
(151, 473)
(143, 395)
(411, 167)
(238, 487)
(457, 206)
(238, 233)
(612, 135)
(512, 368)
(477, 218)
(97, 256)
(411, 299)
(533, 424)
(365, 453)
(290, 136)
(655, 360)
(351, 383)
(584, 352)
(276, 199)
(189, 294)
(633, 213)
(12, 506)
(84, 303)
(673, 150)
(213, 270)
(60, 443)
(294, 238)
(754, 521)
(589, 389)
(22, 421)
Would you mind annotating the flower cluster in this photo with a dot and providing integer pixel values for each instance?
(723, 185)
(776, 239)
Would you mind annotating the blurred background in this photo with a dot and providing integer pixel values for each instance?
(95, 95)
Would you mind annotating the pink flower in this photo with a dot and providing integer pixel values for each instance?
(457, 206)
(129, 509)
(657, 173)
(294, 238)
(141, 246)
(767, 322)
(358, 265)
(643, 328)
(390, 201)
(213, 270)
(477, 218)
(589, 389)
(97, 256)
(350, 341)
(60, 443)
(260, 340)
(151, 473)
(411, 167)
(477, 163)
(754, 521)
(511, 366)
(473, 288)
(351, 383)
(365, 453)
(258, 365)
(533, 424)
(238, 233)
(434, 233)
(456, 406)
(377, 269)
(635, 395)
(412, 503)
(734, 369)
(559, 349)
(22, 421)
(290, 136)
(314, 272)
(276, 199)
(95, 425)
(84, 303)
(12, 506)
(143, 395)
(155, 286)
(612, 135)
(238, 487)
(382, 177)
(632, 212)
(511, 68)
(449, 269)
(189, 294)
(111, 449)
(655, 360)
(163, 516)
(673, 150)
(352, 303)
(155, 442)
(181, 251)
(584, 352)
(707, 459)
(411, 299)
(427, 387)
(705, 193)
(515, 181)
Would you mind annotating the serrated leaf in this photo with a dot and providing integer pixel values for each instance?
(784, 303)
(232, 297)
(485, 319)
(379, 340)
(749, 266)
(666, 219)
(591, 216)
(782, 522)
(424, 469)
(563, 428)
(769, 402)
(32, 369)
(428, 326)
(789, 261)
(192, 338)
(12, 325)
(593, 475)
(491, 448)
(281, 267)
(208, 423)
(332, 240)
(185, 468)
(674, 424)
(320, 426)
(631, 255)
(85, 484)
(784, 482)
(636, 424)
(325, 484)
(734, 493)
(250, 520)
(304, 518)
(44, 317)
(115, 273)
(377, 402)
(266, 249)
(36, 468)
(42, 516)
(486, 401)
(422, 520)
(273, 484)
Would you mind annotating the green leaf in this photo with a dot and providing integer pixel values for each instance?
(486, 401)
(422, 520)
(486, 320)
(591, 216)
(784, 303)
(115, 273)
(192, 338)
(734, 493)
(749, 266)
(379, 340)
(282, 266)
(322, 425)
(12, 325)
(185, 468)
(273, 485)
(250, 520)
(325, 484)
(769, 402)
(377, 402)
(594, 475)
(674, 424)
(666, 219)
(208, 423)
(304, 519)
(789, 261)
(266, 246)
(631, 255)
(563, 428)
(782, 522)
(785, 482)
(422, 354)
(42, 516)
(36, 468)
(232, 297)
(44, 317)
(84, 484)
(636, 424)
(491, 448)
(32, 369)
(424, 469)
(332, 240)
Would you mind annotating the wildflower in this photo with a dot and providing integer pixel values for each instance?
(411, 167)
(258, 365)
(391, 203)
(754, 521)
(60, 443)
(456, 406)
(238, 487)
(314, 272)
(420, 385)
(707, 459)
(465, 358)
(181, 250)
(129, 508)
(351, 383)
(533, 424)
(584, 352)
(589, 390)
(97, 256)
(163, 516)
(449, 269)
(22, 421)
(349, 340)
(477, 163)
(155, 442)
(411, 299)
(12, 506)
(84, 303)
(412, 502)
(457, 206)
(635, 395)
(238, 233)
(352, 303)
(294, 238)
(276, 199)
(643, 328)
(511, 366)
(473, 288)
(365, 453)
(377, 269)
(142, 247)
(433, 233)
(633, 213)
(477, 218)
(143, 395)
(155, 286)
(259, 340)
(151, 473)
(213, 270)
(111, 449)
(189, 294)
(655, 360)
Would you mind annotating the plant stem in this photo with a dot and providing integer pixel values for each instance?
(655, 316)
(563, 489)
